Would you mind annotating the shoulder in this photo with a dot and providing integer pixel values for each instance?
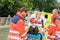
(15, 19)
(58, 17)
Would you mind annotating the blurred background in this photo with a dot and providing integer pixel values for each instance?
(9, 7)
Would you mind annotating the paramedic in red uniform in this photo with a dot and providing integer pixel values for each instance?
(57, 22)
(17, 27)
(52, 26)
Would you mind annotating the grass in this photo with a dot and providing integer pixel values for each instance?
(4, 33)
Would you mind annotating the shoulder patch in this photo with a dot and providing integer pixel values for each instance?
(15, 19)
(58, 17)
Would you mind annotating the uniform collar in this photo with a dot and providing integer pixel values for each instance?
(19, 14)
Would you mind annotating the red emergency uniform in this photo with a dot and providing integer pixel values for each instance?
(52, 31)
(17, 28)
(57, 22)
(52, 28)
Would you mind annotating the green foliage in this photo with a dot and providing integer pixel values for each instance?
(12, 6)
(46, 5)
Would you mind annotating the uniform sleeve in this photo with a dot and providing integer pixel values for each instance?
(21, 29)
(49, 31)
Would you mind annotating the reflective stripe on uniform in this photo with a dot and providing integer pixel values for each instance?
(47, 28)
(57, 34)
(51, 36)
(13, 31)
(57, 31)
(52, 24)
(14, 37)
(24, 34)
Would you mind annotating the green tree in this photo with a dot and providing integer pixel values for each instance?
(46, 5)
(12, 6)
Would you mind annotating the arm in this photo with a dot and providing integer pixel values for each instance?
(49, 31)
(21, 29)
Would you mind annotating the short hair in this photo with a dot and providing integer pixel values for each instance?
(23, 9)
